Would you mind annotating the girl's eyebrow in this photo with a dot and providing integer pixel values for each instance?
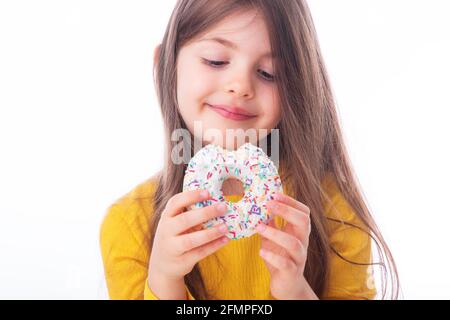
(229, 44)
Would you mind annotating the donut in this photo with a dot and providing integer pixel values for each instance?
(212, 165)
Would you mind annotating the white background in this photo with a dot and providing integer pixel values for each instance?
(80, 126)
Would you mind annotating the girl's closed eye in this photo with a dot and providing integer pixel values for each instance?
(217, 64)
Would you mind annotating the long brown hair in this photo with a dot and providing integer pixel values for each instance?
(309, 131)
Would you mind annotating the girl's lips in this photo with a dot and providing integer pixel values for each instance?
(231, 115)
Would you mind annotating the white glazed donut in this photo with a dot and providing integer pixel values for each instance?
(212, 165)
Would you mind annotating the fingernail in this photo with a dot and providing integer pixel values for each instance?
(262, 252)
(204, 194)
(277, 196)
(260, 227)
(223, 228)
(222, 207)
(271, 205)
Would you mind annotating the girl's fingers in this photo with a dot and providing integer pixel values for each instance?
(291, 202)
(272, 223)
(180, 201)
(266, 243)
(297, 218)
(278, 262)
(290, 243)
(189, 241)
(205, 250)
(189, 219)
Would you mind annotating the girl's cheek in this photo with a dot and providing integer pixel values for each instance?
(272, 110)
(187, 82)
(198, 79)
(209, 78)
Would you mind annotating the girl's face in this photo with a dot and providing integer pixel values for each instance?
(228, 83)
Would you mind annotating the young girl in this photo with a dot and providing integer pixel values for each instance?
(262, 56)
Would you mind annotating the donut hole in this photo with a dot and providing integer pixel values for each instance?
(233, 187)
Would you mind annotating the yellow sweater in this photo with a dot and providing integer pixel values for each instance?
(124, 238)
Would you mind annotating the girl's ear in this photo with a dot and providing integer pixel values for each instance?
(156, 54)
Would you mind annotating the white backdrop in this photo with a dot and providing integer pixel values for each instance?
(80, 126)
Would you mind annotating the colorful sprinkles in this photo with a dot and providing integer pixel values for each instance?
(212, 165)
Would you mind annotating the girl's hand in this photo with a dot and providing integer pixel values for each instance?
(180, 242)
(285, 251)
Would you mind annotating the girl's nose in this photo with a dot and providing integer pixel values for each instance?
(241, 87)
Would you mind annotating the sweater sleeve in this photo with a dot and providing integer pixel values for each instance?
(149, 295)
(351, 275)
(125, 256)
